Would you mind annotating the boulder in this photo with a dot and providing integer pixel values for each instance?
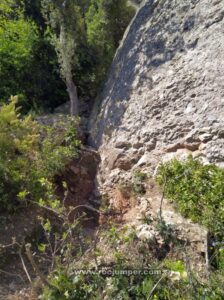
(165, 89)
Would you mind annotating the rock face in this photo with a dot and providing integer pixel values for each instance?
(165, 91)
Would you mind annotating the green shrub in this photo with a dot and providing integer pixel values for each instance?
(77, 287)
(165, 230)
(197, 190)
(176, 266)
(29, 154)
(165, 280)
(138, 186)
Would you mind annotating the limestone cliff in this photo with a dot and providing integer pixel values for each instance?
(165, 91)
(164, 98)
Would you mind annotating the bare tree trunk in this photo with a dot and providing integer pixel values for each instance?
(73, 96)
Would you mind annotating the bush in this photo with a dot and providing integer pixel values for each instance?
(165, 280)
(78, 287)
(29, 154)
(138, 186)
(197, 191)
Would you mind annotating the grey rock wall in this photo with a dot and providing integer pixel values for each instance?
(165, 91)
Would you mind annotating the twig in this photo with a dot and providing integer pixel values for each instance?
(34, 265)
(207, 264)
(12, 274)
(9, 245)
(48, 209)
(50, 246)
(84, 206)
(60, 215)
(24, 267)
(162, 198)
(155, 286)
(189, 272)
(95, 248)
(65, 198)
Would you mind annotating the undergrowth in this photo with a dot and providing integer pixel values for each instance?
(30, 154)
(197, 191)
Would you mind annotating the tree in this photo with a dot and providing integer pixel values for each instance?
(108, 17)
(106, 21)
(17, 41)
(65, 25)
(85, 35)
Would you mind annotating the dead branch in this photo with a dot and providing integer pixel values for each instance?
(34, 265)
(12, 274)
(24, 267)
(155, 286)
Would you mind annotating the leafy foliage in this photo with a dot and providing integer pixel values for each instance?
(30, 153)
(138, 180)
(197, 190)
(106, 22)
(167, 280)
(17, 41)
(198, 193)
(29, 66)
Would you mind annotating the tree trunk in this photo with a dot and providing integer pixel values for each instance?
(73, 96)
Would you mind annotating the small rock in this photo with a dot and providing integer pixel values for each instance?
(205, 137)
(137, 145)
(123, 145)
(145, 232)
(151, 145)
(144, 160)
